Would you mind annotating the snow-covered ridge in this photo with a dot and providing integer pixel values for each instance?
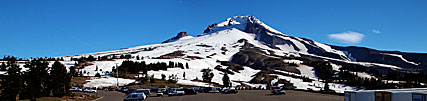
(401, 57)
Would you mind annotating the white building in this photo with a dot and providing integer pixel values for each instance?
(413, 94)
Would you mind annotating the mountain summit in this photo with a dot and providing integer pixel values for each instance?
(249, 24)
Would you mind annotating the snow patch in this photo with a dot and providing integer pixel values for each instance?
(107, 81)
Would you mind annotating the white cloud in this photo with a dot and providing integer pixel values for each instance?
(348, 37)
(376, 31)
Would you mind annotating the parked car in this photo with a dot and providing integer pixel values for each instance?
(124, 89)
(230, 91)
(89, 89)
(176, 93)
(213, 91)
(127, 90)
(147, 92)
(159, 93)
(135, 97)
(206, 89)
(278, 92)
(75, 89)
(190, 91)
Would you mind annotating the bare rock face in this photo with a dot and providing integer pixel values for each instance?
(207, 30)
(177, 37)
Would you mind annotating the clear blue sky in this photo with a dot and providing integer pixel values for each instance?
(38, 28)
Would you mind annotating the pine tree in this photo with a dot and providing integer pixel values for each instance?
(80, 74)
(37, 79)
(97, 75)
(3, 67)
(183, 75)
(12, 83)
(114, 69)
(326, 86)
(207, 75)
(226, 80)
(163, 77)
(152, 80)
(73, 71)
(59, 76)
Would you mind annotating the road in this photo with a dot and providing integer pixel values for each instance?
(110, 95)
(252, 95)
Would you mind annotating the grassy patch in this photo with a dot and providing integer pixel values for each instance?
(79, 81)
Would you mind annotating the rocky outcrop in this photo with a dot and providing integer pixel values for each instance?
(177, 37)
(207, 30)
(257, 59)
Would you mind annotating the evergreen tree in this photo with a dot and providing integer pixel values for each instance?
(97, 75)
(324, 70)
(59, 77)
(326, 86)
(37, 79)
(152, 80)
(12, 84)
(91, 58)
(173, 79)
(207, 75)
(211, 75)
(114, 69)
(226, 80)
(183, 75)
(73, 71)
(3, 67)
(163, 77)
(80, 74)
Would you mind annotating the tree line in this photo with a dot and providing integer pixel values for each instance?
(39, 80)
(134, 67)
(106, 57)
(347, 74)
(13, 58)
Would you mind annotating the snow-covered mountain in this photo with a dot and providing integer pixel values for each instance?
(245, 41)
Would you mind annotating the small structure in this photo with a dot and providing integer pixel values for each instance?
(412, 94)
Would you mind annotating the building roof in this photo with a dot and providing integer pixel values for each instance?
(408, 90)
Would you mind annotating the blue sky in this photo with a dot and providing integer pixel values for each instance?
(38, 28)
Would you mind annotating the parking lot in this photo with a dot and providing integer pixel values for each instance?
(252, 95)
